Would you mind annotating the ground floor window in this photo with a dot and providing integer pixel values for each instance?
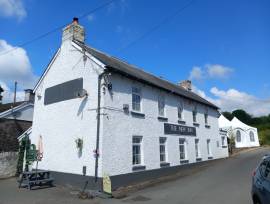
(208, 147)
(238, 136)
(182, 149)
(223, 141)
(137, 150)
(162, 149)
(197, 150)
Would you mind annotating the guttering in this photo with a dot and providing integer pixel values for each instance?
(100, 76)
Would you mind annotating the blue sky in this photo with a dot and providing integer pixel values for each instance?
(222, 46)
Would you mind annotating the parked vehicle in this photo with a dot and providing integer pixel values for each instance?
(261, 182)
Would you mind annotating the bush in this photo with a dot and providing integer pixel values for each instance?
(264, 136)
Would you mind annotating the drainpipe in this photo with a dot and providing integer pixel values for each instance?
(98, 124)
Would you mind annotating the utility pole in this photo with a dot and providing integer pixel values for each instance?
(15, 92)
(1, 97)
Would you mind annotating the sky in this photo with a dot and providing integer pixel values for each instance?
(223, 47)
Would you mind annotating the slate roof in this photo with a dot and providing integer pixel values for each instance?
(7, 106)
(122, 67)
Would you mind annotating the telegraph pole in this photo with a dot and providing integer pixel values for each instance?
(1, 97)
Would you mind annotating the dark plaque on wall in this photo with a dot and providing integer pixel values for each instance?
(172, 129)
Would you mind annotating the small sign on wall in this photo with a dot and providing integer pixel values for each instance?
(173, 129)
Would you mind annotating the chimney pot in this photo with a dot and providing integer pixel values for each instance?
(186, 84)
(75, 20)
(29, 95)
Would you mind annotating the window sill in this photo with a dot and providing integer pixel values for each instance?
(138, 168)
(136, 113)
(164, 164)
(181, 122)
(207, 126)
(184, 161)
(210, 157)
(162, 118)
(196, 124)
(198, 159)
(224, 146)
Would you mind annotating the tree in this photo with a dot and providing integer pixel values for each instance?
(242, 116)
(227, 115)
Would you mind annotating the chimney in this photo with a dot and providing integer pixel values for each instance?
(186, 84)
(29, 95)
(73, 31)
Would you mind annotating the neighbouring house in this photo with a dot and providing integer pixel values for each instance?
(244, 135)
(15, 118)
(99, 116)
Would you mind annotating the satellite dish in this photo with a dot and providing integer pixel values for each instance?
(82, 93)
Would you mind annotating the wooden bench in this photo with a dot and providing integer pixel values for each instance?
(35, 178)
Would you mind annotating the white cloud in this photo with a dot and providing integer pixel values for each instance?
(90, 17)
(233, 99)
(196, 73)
(15, 66)
(12, 8)
(218, 71)
(208, 71)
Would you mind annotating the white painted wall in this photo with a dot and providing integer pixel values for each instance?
(120, 127)
(60, 124)
(245, 138)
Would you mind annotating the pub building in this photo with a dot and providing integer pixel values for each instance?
(99, 116)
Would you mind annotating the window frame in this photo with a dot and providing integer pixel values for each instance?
(164, 145)
(194, 114)
(161, 105)
(184, 145)
(140, 154)
(251, 135)
(238, 136)
(209, 149)
(197, 149)
(136, 92)
(180, 111)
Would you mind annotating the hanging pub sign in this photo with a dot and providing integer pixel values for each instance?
(173, 129)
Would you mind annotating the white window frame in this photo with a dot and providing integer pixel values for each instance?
(209, 150)
(194, 114)
(206, 118)
(184, 144)
(180, 111)
(251, 136)
(197, 149)
(223, 141)
(136, 92)
(164, 145)
(238, 136)
(140, 154)
(161, 106)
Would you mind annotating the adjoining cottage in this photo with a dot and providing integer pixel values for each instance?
(244, 135)
(100, 116)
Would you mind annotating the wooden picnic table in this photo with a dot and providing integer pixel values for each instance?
(35, 178)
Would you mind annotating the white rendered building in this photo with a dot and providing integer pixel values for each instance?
(245, 135)
(134, 125)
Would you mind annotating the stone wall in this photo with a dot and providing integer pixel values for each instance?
(8, 164)
(9, 131)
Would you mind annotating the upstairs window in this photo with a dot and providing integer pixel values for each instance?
(206, 118)
(238, 136)
(162, 149)
(136, 150)
(251, 136)
(161, 106)
(136, 99)
(223, 141)
(180, 112)
(194, 114)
